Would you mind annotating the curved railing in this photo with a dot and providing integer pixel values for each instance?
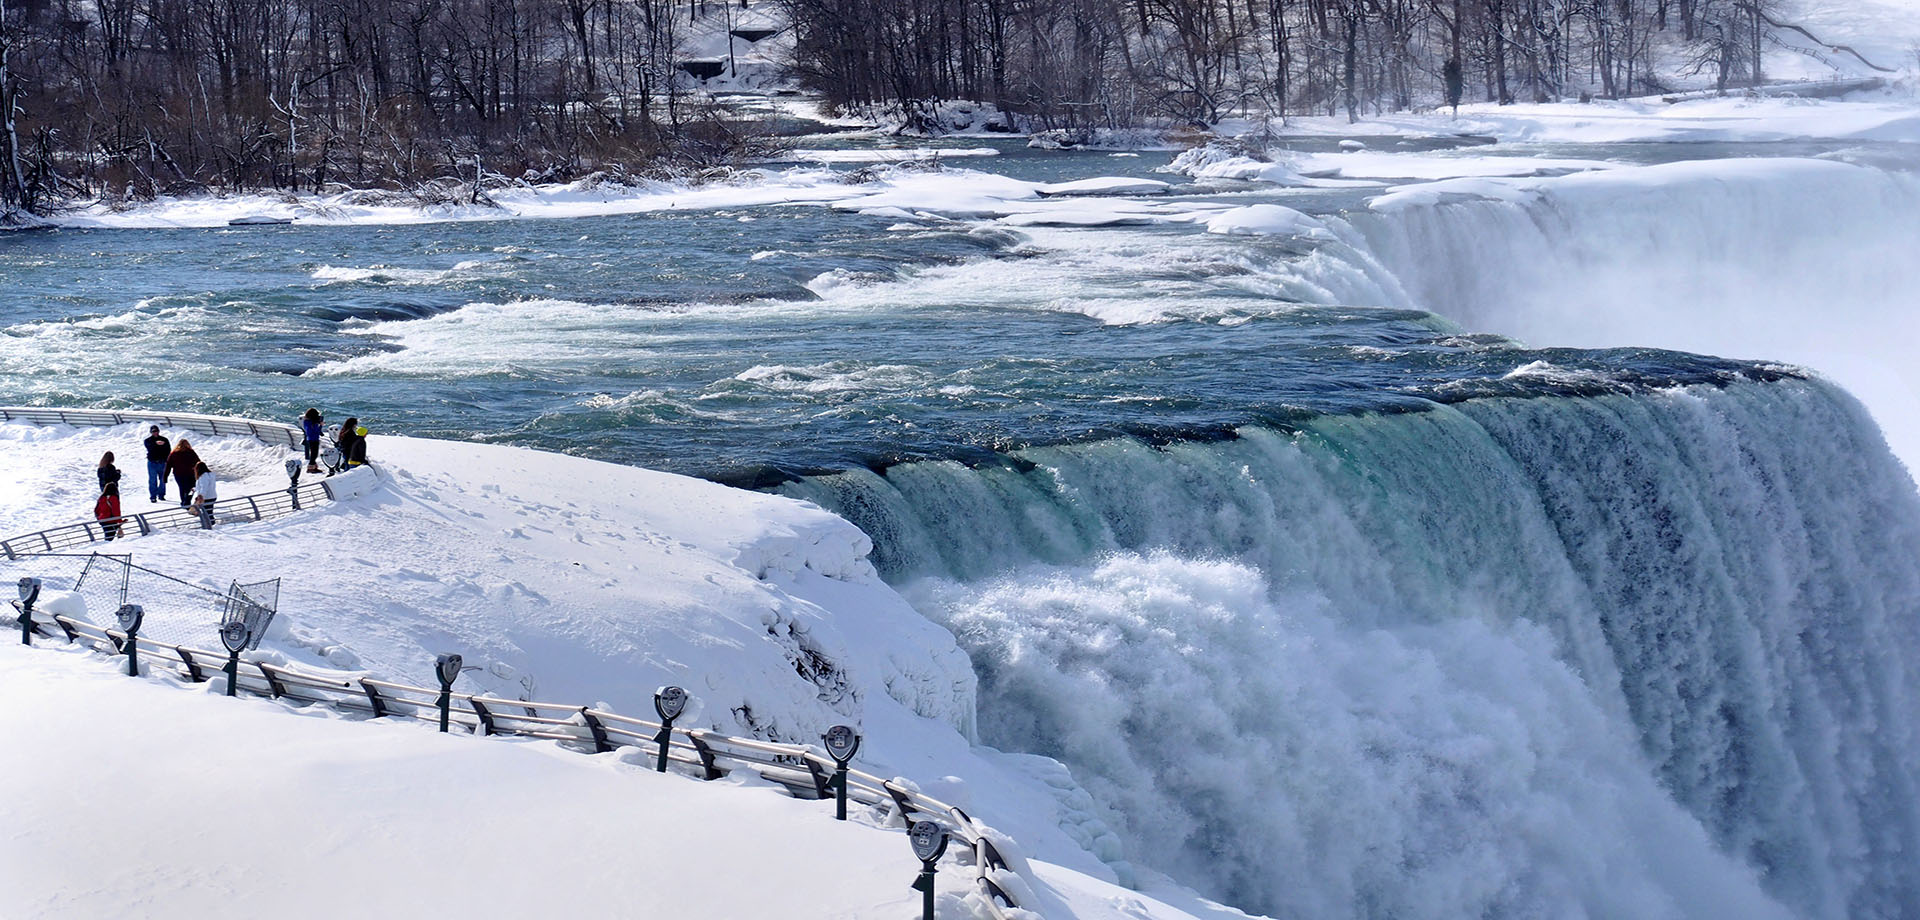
(259, 506)
(215, 425)
(804, 770)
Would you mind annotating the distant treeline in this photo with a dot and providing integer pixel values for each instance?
(150, 96)
(140, 97)
(1072, 63)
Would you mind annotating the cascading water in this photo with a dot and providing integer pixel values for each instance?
(1802, 260)
(1630, 655)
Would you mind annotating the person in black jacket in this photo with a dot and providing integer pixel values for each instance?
(180, 463)
(157, 450)
(358, 455)
(106, 509)
(344, 440)
(108, 473)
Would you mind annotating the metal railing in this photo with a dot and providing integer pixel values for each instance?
(258, 507)
(215, 425)
(803, 770)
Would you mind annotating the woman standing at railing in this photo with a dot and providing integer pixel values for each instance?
(204, 493)
(181, 464)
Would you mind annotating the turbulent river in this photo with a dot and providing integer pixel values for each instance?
(1339, 599)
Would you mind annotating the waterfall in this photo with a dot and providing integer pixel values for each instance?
(1807, 261)
(1639, 655)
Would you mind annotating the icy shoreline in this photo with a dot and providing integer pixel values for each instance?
(1879, 117)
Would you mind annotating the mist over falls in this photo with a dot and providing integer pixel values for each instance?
(1798, 260)
(1517, 657)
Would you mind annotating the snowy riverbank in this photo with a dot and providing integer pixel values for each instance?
(1524, 136)
(560, 578)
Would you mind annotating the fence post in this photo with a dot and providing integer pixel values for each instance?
(130, 616)
(373, 699)
(710, 769)
(841, 742)
(485, 716)
(600, 743)
(29, 593)
(193, 667)
(447, 668)
(669, 702)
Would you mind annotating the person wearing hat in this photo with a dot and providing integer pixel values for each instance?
(345, 438)
(157, 451)
(358, 455)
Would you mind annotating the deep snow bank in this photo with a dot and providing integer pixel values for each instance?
(167, 802)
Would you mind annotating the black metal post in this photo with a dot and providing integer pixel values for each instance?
(130, 616)
(839, 784)
(235, 635)
(841, 742)
(29, 593)
(929, 840)
(447, 668)
(924, 884)
(663, 741)
(233, 672)
(668, 703)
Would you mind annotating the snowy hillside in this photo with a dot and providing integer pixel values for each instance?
(561, 579)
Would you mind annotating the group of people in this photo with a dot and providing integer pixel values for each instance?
(197, 485)
(198, 488)
(350, 439)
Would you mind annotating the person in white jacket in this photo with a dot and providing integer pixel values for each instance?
(205, 493)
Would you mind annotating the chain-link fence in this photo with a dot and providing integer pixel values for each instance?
(93, 587)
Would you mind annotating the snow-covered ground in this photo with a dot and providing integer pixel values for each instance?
(50, 471)
(1884, 115)
(560, 579)
(1886, 32)
(159, 801)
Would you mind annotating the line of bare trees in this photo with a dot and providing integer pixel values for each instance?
(1092, 62)
(139, 97)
